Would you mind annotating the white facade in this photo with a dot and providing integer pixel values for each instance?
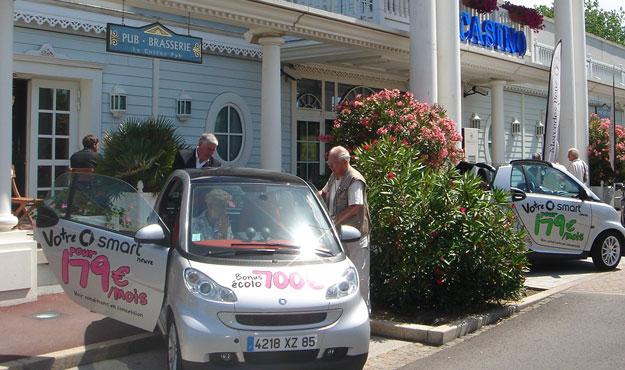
(277, 68)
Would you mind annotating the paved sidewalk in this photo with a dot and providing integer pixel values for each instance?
(69, 335)
(62, 325)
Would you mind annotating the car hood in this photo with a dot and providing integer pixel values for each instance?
(275, 288)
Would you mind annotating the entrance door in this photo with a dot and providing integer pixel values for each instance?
(20, 143)
(53, 132)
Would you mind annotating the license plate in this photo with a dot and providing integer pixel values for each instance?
(290, 343)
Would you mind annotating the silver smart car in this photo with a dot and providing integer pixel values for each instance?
(236, 267)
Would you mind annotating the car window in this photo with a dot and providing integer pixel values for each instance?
(551, 181)
(518, 180)
(101, 201)
(258, 220)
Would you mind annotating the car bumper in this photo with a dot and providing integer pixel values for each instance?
(203, 335)
(356, 362)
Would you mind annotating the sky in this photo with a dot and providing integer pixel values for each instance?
(604, 4)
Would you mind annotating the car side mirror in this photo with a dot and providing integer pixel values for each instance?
(583, 194)
(152, 233)
(349, 234)
(517, 194)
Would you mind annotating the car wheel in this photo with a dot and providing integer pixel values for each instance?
(174, 361)
(606, 251)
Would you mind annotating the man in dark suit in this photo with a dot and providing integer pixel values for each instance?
(201, 156)
(88, 157)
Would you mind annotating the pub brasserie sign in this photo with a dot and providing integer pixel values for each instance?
(153, 40)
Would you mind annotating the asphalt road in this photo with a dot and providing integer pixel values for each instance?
(575, 330)
(580, 328)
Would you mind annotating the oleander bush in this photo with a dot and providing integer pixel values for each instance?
(390, 112)
(438, 240)
(599, 151)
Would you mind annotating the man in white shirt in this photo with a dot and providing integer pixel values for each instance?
(345, 196)
(577, 167)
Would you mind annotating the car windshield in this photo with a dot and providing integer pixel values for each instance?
(258, 220)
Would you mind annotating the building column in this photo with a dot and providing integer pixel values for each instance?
(497, 122)
(7, 220)
(448, 59)
(423, 63)
(271, 114)
(568, 123)
(581, 80)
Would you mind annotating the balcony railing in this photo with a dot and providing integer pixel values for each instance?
(595, 70)
(360, 9)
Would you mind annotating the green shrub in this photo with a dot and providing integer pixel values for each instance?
(438, 240)
(141, 150)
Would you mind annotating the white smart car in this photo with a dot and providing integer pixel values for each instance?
(236, 267)
(560, 214)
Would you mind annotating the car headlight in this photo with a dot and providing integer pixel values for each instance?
(345, 287)
(206, 288)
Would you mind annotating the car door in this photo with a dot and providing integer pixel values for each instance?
(555, 217)
(86, 229)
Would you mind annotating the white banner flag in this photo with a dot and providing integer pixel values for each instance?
(552, 121)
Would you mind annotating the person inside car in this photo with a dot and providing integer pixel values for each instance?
(213, 222)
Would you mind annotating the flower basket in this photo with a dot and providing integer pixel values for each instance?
(525, 16)
(482, 6)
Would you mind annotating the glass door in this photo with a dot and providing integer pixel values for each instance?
(53, 132)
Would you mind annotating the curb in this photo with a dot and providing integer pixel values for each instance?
(439, 335)
(82, 355)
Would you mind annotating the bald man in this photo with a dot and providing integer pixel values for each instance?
(345, 197)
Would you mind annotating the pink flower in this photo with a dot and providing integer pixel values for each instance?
(463, 210)
(390, 176)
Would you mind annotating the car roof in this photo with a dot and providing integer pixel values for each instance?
(251, 173)
(530, 161)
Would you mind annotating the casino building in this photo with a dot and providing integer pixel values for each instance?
(267, 74)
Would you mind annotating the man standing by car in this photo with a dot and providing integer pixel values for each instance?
(345, 197)
(201, 156)
(87, 157)
(577, 167)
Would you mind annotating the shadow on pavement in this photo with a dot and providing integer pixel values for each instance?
(107, 329)
(555, 268)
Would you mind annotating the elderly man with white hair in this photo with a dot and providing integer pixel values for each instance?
(577, 167)
(201, 156)
(346, 199)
